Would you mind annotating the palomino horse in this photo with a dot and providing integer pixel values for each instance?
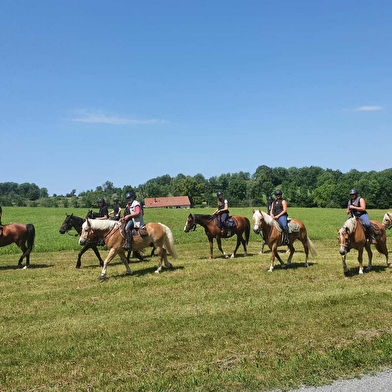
(109, 230)
(352, 236)
(272, 233)
(212, 230)
(387, 220)
(20, 234)
(75, 222)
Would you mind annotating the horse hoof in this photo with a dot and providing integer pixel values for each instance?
(25, 267)
(348, 274)
(245, 254)
(232, 256)
(270, 270)
(102, 278)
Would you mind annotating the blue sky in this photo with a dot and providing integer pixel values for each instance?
(126, 91)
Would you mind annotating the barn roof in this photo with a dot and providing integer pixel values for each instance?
(167, 202)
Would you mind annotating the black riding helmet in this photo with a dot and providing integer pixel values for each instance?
(130, 195)
(101, 200)
(219, 194)
(278, 192)
(353, 192)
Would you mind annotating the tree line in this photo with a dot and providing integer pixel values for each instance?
(302, 187)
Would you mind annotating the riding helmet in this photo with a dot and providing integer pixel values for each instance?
(130, 195)
(101, 200)
(278, 192)
(353, 192)
(270, 198)
(219, 194)
(115, 199)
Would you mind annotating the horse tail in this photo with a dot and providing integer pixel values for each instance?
(247, 231)
(168, 243)
(30, 238)
(311, 247)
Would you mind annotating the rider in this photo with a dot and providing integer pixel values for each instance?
(116, 209)
(1, 213)
(103, 212)
(133, 215)
(279, 213)
(222, 210)
(356, 206)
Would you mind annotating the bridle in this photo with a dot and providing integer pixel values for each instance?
(344, 242)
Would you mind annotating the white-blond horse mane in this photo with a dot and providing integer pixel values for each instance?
(350, 225)
(267, 219)
(101, 224)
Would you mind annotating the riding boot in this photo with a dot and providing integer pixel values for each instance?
(128, 241)
(370, 235)
(285, 239)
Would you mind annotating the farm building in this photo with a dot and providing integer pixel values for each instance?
(167, 202)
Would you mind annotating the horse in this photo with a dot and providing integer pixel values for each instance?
(212, 230)
(20, 234)
(352, 236)
(111, 232)
(272, 232)
(387, 220)
(75, 222)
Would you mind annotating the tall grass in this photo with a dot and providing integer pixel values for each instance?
(207, 325)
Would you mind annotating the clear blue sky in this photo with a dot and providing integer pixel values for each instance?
(126, 91)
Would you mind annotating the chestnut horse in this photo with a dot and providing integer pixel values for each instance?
(20, 234)
(352, 236)
(110, 231)
(212, 230)
(387, 220)
(272, 233)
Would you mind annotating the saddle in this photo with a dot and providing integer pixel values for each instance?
(230, 223)
(141, 232)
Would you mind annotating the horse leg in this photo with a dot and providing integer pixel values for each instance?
(23, 248)
(108, 259)
(292, 250)
(262, 247)
(346, 271)
(381, 247)
(162, 256)
(125, 261)
(360, 261)
(239, 240)
(96, 251)
(219, 242)
(370, 256)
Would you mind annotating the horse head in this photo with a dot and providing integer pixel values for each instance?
(387, 220)
(67, 224)
(257, 221)
(190, 224)
(87, 232)
(344, 240)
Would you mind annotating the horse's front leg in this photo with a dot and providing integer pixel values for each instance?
(370, 256)
(219, 242)
(96, 251)
(346, 271)
(360, 261)
(108, 259)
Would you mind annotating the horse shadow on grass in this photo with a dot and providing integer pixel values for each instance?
(31, 266)
(146, 271)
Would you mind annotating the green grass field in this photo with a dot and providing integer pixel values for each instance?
(207, 325)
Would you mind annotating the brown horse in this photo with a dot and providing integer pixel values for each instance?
(272, 233)
(212, 231)
(352, 236)
(110, 231)
(75, 222)
(20, 234)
